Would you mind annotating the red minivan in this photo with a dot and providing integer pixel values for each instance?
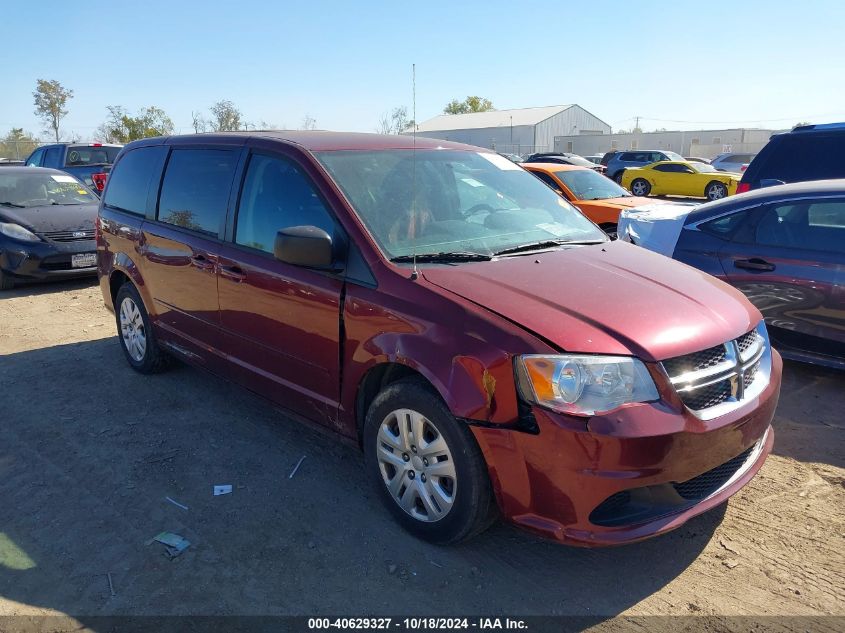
(491, 351)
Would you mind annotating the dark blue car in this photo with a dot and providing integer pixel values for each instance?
(782, 246)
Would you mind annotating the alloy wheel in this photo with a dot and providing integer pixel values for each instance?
(132, 330)
(416, 465)
(716, 192)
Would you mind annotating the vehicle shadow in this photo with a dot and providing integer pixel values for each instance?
(32, 289)
(92, 451)
(809, 423)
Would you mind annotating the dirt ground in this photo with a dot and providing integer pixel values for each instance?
(89, 450)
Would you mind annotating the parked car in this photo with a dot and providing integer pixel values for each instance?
(621, 161)
(672, 178)
(732, 162)
(605, 159)
(697, 159)
(597, 197)
(595, 158)
(11, 162)
(783, 246)
(564, 158)
(88, 162)
(514, 158)
(46, 226)
(809, 152)
(441, 306)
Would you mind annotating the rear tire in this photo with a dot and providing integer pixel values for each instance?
(640, 187)
(426, 466)
(135, 334)
(617, 177)
(6, 282)
(715, 191)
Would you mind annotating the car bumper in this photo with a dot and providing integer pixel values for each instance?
(631, 474)
(44, 260)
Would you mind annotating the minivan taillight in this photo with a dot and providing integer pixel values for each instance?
(743, 187)
(99, 181)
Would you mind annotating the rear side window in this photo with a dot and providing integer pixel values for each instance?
(547, 179)
(277, 195)
(129, 182)
(53, 157)
(195, 190)
(798, 157)
(816, 226)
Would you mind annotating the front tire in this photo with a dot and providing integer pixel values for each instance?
(716, 191)
(137, 338)
(426, 466)
(640, 187)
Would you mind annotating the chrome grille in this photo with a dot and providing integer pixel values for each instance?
(70, 236)
(713, 381)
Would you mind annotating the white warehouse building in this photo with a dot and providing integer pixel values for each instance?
(519, 131)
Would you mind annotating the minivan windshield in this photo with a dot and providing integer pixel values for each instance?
(440, 202)
(24, 190)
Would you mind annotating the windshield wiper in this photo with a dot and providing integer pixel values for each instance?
(536, 246)
(457, 256)
(12, 204)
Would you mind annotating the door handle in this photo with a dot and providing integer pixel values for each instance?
(755, 263)
(232, 272)
(202, 262)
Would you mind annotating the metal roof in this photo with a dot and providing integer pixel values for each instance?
(493, 118)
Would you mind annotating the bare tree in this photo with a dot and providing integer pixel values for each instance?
(226, 117)
(199, 123)
(395, 122)
(50, 101)
(308, 123)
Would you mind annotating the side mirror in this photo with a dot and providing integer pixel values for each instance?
(306, 246)
(771, 182)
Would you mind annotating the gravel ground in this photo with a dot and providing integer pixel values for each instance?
(89, 450)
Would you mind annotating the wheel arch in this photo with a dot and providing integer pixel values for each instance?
(124, 270)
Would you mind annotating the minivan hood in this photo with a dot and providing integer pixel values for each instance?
(52, 218)
(611, 298)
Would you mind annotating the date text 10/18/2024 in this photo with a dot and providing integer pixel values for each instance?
(411, 624)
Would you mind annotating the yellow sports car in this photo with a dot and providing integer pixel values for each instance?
(676, 178)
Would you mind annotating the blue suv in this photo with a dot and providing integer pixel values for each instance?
(636, 158)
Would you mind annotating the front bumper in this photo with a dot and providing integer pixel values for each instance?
(35, 261)
(621, 477)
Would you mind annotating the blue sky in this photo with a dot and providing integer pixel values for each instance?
(679, 65)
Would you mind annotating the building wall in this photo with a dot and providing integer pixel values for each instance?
(705, 143)
(573, 121)
(498, 138)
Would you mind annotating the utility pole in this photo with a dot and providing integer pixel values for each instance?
(637, 125)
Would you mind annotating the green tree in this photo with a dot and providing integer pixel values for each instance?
(470, 104)
(225, 117)
(17, 144)
(800, 123)
(394, 122)
(123, 128)
(50, 103)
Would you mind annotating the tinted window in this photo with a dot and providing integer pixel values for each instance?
(277, 195)
(53, 157)
(547, 179)
(129, 181)
(665, 168)
(90, 155)
(724, 226)
(817, 226)
(195, 191)
(35, 159)
(798, 157)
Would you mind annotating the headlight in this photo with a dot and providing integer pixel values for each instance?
(16, 231)
(584, 385)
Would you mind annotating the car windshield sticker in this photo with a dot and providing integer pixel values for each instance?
(63, 178)
(500, 161)
(472, 182)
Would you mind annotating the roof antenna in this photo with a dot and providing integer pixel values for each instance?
(414, 273)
